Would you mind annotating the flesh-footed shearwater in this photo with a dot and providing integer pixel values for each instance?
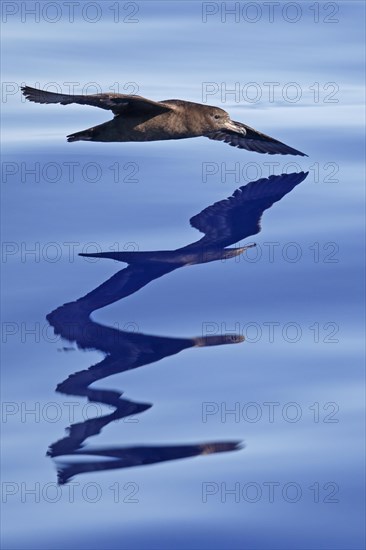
(139, 119)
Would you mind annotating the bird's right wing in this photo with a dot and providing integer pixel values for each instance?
(250, 139)
(117, 103)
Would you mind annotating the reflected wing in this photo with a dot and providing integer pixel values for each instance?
(238, 217)
(252, 140)
(117, 103)
(127, 457)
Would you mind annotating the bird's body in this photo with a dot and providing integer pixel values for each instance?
(144, 127)
(139, 119)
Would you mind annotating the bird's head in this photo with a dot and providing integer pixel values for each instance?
(218, 119)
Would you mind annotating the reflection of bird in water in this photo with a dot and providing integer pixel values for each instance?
(127, 457)
(124, 351)
(224, 223)
(139, 119)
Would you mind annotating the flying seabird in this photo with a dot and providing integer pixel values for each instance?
(139, 119)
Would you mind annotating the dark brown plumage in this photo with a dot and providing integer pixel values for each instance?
(139, 119)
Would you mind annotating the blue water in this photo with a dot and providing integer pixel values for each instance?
(289, 398)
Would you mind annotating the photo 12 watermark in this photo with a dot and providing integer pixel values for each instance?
(270, 12)
(251, 492)
(27, 332)
(52, 412)
(9, 89)
(271, 332)
(24, 492)
(69, 172)
(240, 173)
(270, 412)
(57, 251)
(271, 92)
(290, 252)
(70, 11)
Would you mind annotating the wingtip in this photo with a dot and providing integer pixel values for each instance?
(291, 151)
(25, 90)
(28, 89)
(33, 94)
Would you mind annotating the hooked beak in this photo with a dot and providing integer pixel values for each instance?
(236, 127)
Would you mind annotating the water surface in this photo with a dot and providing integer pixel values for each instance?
(284, 407)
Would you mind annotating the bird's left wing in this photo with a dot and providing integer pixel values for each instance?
(238, 217)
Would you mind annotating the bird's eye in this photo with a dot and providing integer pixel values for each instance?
(217, 116)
